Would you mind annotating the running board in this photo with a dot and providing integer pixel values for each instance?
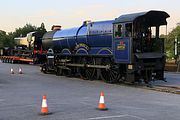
(86, 65)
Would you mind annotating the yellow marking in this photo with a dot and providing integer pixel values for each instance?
(130, 67)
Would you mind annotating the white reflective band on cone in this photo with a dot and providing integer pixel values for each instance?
(101, 99)
(44, 103)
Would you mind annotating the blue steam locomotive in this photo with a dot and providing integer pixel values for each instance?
(127, 49)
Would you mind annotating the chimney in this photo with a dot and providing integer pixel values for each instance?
(56, 27)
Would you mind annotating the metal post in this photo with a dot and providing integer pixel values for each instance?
(175, 46)
(178, 64)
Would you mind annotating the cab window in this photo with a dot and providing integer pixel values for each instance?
(118, 30)
(128, 29)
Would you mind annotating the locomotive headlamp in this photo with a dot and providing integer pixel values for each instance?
(130, 67)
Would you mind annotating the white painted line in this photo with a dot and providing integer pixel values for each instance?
(107, 117)
(133, 116)
(117, 116)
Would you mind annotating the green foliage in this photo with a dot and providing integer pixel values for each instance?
(42, 28)
(2, 38)
(22, 32)
(169, 42)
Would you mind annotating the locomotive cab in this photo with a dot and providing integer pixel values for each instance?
(137, 45)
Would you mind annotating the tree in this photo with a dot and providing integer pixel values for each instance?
(22, 32)
(2, 38)
(42, 28)
(169, 43)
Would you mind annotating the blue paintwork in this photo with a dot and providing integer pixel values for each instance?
(65, 38)
(66, 33)
(82, 31)
(105, 51)
(81, 39)
(122, 55)
(81, 51)
(101, 27)
(66, 52)
(102, 40)
(100, 51)
(95, 34)
(100, 34)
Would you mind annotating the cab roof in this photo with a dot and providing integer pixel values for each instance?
(154, 16)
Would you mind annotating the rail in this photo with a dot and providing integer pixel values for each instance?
(165, 88)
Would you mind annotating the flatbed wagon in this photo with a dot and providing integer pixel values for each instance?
(15, 59)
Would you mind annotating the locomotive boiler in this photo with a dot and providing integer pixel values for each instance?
(127, 49)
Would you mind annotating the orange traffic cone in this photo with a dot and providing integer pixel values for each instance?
(20, 70)
(102, 105)
(44, 107)
(12, 71)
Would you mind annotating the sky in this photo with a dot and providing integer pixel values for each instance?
(72, 13)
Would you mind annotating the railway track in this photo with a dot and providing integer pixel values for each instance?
(165, 88)
(161, 88)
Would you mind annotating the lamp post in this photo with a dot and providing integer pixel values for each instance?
(175, 46)
(178, 55)
(178, 50)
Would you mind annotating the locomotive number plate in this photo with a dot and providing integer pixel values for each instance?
(121, 47)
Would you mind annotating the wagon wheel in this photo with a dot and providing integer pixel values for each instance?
(12, 61)
(110, 75)
(66, 72)
(85, 72)
(63, 72)
(44, 68)
(59, 71)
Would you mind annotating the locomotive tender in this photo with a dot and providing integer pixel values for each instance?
(117, 50)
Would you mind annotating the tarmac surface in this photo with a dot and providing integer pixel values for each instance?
(77, 99)
(172, 78)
